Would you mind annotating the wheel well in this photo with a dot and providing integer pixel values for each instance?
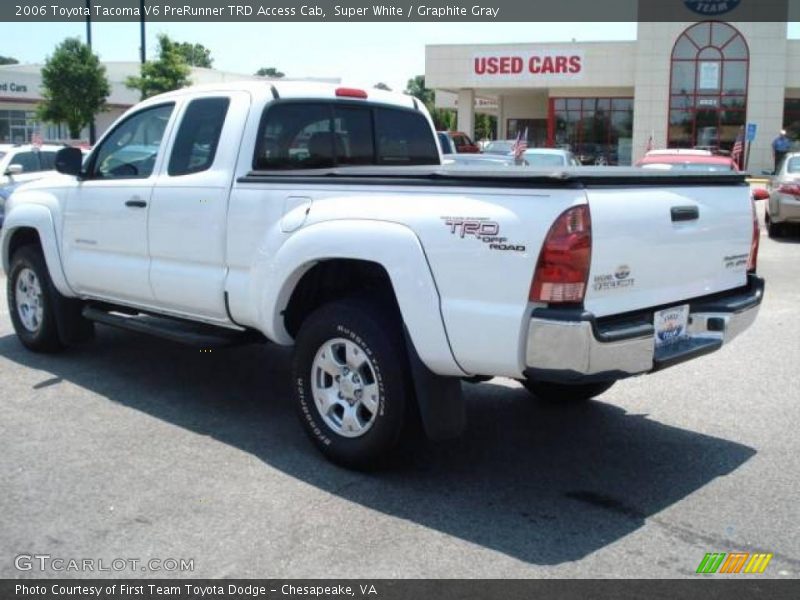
(332, 280)
(23, 237)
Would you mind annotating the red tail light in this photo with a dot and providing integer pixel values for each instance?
(752, 260)
(563, 266)
(345, 92)
(792, 189)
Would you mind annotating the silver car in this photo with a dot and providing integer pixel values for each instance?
(783, 207)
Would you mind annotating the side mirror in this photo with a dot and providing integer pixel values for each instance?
(69, 161)
(760, 194)
(14, 169)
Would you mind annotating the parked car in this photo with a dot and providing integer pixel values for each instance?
(500, 147)
(687, 160)
(783, 208)
(393, 278)
(548, 157)
(461, 142)
(25, 162)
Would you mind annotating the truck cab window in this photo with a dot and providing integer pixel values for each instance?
(130, 151)
(296, 136)
(403, 137)
(198, 136)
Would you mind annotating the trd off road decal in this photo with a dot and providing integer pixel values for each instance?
(481, 229)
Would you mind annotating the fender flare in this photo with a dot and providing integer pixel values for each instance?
(39, 218)
(393, 246)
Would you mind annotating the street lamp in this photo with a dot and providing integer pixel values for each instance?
(92, 128)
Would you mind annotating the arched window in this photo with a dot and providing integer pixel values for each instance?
(708, 87)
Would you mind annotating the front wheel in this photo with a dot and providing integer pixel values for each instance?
(351, 381)
(565, 392)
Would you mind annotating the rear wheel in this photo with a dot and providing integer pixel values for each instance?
(565, 392)
(774, 230)
(351, 381)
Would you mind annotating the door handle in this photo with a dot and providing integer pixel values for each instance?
(684, 213)
(136, 203)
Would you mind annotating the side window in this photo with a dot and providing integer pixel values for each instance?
(29, 161)
(131, 149)
(48, 160)
(404, 138)
(352, 128)
(198, 136)
(296, 136)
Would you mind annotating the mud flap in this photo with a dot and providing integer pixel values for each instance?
(440, 400)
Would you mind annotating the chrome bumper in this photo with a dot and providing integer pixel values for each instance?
(564, 346)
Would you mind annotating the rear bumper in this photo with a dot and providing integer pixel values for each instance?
(566, 345)
(788, 210)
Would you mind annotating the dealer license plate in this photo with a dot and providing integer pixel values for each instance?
(671, 325)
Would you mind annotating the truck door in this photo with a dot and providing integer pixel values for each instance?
(188, 212)
(104, 242)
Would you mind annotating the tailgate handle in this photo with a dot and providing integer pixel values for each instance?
(685, 213)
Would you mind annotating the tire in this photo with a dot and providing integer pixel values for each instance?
(774, 230)
(566, 392)
(352, 383)
(31, 301)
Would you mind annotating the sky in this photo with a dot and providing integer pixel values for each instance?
(359, 53)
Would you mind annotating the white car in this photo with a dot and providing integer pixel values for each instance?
(25, 162)
(543, 158)
(320, 217)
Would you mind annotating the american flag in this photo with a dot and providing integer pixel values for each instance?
(521, 144)
(738, 148)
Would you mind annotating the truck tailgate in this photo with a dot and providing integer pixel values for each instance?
(653, 246)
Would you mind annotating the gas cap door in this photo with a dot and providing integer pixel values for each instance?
(295, 211)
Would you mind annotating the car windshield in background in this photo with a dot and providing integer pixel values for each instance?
(793, 166)
(534, 159)
(499, 148)
(688, 166)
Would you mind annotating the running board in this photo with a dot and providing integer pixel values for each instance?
(177, 330)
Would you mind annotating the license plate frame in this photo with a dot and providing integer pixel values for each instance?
(671, 325)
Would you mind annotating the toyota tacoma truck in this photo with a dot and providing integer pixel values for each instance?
(321, 217)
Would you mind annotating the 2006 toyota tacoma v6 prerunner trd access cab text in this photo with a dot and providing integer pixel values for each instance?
(320, 217)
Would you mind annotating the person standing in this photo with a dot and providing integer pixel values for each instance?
(780, 146)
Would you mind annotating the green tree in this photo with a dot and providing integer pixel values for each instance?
(7, 60)
(485, 127)
(416, 87)
(169, 72)
(382, 86)
(196, 55)
(269, 72)
(444, 119)
(74, 86)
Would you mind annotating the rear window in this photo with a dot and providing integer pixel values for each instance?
(48, 160)
(793, 166)
(314, 135)
(544, 160)
(29, 161)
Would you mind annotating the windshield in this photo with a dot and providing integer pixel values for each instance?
(793, 166)
(688, 166)
(499, 147)
(544, 160)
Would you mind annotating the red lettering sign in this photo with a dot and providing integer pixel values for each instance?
(545, 63)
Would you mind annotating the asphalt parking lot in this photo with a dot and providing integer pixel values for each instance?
(131, 447)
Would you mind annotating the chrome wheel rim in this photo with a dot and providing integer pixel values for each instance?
(345, 388)
(28, 295)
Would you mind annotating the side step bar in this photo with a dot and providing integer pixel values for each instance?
(177, 330)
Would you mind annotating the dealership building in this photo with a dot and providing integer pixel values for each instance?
(691, 84)
(20, 92)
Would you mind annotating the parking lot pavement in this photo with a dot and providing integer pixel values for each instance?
(131, 447)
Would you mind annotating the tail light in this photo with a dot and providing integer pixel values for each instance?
(792, 189)
(563, 267)
(752, 260)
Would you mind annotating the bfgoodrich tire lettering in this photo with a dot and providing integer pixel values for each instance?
(369, 335)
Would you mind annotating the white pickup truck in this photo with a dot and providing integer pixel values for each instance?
(320, 217)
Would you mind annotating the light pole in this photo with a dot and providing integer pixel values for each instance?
(142, 53)
(92, 128)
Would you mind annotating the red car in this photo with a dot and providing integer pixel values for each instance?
(460, 141)
(688, 160)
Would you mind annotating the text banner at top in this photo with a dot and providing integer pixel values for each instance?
(399, 10)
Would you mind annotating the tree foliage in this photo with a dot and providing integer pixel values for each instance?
(196, 55)
(8, 60)
(169, 72)
(416, 87)
(270, 72)
(74, 86)
(485, 127)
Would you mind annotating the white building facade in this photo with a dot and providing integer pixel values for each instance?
(680, 84)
